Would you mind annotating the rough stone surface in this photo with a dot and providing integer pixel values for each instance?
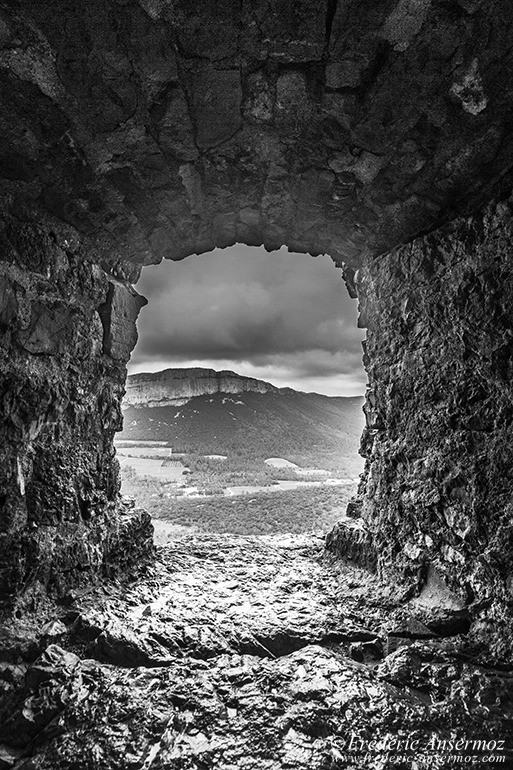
(437, 491)
(246, 654)
(67, 336)
(132, 131)
(168, 128)
(351, 540)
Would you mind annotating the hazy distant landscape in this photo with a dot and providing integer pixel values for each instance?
(253, 460)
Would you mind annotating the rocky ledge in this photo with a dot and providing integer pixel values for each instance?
(248, 653)
(177, 386)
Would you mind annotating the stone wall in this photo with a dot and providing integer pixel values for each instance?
(67, 332)
(170, 127)
(437, 493)
(136, 130)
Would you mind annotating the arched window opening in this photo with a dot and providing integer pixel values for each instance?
(243, 410)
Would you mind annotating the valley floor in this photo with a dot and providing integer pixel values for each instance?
(248, 653)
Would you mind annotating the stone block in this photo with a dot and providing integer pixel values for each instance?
(351, 541)
(118, 316)
(49, 330)
(8, 303)
(215, 98)
(344, 74)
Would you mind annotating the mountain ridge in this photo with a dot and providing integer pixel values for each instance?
(176, 386)
(310, 429)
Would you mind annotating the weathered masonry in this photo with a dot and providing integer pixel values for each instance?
(380, 133)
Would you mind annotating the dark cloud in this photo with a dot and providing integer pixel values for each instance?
(280, 316)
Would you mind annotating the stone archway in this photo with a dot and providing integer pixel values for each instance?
(136, 131)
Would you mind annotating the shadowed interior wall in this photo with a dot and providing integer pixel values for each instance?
(132, 131)
(67, 332)
(437, 489)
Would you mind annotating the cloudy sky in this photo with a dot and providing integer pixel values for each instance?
(281, 317)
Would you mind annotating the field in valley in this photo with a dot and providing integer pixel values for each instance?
(189, 492)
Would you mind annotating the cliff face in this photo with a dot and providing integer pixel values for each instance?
(174, 387)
